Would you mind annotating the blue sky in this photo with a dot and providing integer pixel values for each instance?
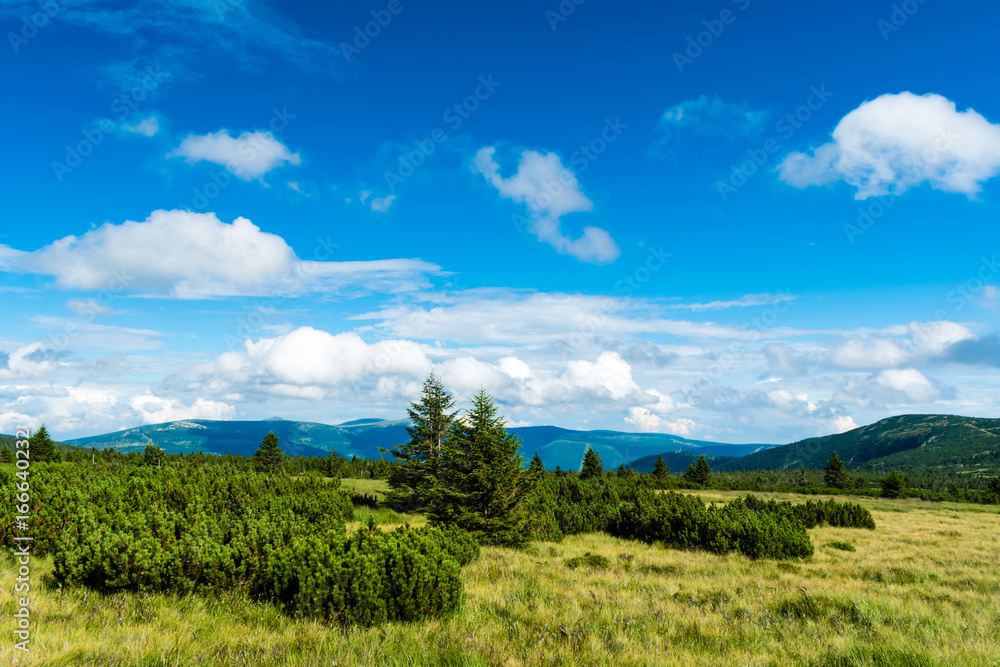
(749, 221)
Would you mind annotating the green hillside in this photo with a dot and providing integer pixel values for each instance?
(918, 443)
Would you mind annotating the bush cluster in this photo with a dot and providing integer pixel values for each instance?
(211, 529)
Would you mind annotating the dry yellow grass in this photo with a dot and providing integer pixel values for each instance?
(922, 589)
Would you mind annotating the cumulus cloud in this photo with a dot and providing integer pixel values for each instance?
(550, 192)
(154, 409)
(910, 382)
(898, 141)
(647, 421)
(843, 424)
(711, 116)
(31, 360)
(310, 363)
(196, 255)
(146, 127)
(247, 157)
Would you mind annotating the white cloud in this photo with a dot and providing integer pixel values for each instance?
(248, 156)
(550, 191)
(649, 422)
(382, 204)
(910, 382)
(154, 409)
(764, 299)
(843, 424)
(31, 360)
(859, 354)
(195, 255)
(898, 141)
(610, 374)
(311, 363)
(146, 127)
(88, 307)
(711, 116)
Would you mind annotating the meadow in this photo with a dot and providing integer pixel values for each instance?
(922, 589)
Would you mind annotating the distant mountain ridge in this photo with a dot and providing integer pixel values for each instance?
(942, 443)
(364, 437)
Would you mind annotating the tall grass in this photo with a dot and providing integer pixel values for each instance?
(922, 589)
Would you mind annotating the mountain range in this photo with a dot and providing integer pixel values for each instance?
(364, 437)
(930, 443)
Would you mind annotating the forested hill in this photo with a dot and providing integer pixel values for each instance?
(928, 443)
(557, 446)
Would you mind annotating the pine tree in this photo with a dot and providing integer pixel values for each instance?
(483, 484)
(431, 421)
(699, 472)
(41, 447)
(592, 465)
(333, 466)
(835, 474)
(269, 457)
(6, 455)
(993, 488)
(536, 464)
(152, 456)
(660, 468)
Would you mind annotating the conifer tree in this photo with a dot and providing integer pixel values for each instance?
(482, 482)
(660, 468)
(431, 421)
(269, 457)
(6, 455)
(592, 465)
(536, 464)
(835, 474)
(894, 484)
(41, 447)
(699, 472)
(152, 456)
(333, 466)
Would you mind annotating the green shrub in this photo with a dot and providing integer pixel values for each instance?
(588, 559)
(841, 545)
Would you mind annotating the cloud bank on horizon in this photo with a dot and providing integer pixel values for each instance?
(206, 232)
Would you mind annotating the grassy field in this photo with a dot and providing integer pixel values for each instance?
(922, 589)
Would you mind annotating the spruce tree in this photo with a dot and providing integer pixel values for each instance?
(152, 456)
(536, 464)
(660, 469)
(699, 472)
(835, 474)
(894, 484)
(6, 455)
(269, 457)
(592, 466)
(41, 447)
(431, 421)
(482, 482)
(333, 466)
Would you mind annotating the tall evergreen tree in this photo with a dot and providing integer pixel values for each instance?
(431, 421)
(660, 468)
(483, 484)
(592, 465)
(6, 454)
(41, 447)
(536, 464)
(152, 456)
(269, 457)
(835, 474)
(332, 466)
(699, 472)
(894, 484)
